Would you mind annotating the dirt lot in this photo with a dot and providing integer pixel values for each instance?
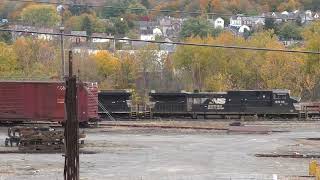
(123, 153)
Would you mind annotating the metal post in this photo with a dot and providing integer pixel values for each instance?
(71, 167)
(63, 65)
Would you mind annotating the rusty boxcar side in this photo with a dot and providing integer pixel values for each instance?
(44, 101)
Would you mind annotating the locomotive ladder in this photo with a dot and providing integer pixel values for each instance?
(106, 111)
(103, 108)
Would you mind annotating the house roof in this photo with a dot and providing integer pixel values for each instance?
(79, 33)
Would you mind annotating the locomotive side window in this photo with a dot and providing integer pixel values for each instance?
(280, 96)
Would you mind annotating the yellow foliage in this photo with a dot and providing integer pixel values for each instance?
(40, 15)
(107, 63)
(8, 60)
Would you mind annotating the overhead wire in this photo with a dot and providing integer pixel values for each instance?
(166, 42)
(159, 10)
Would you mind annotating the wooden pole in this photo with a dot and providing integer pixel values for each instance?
(71, 167)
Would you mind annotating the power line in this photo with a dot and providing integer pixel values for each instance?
(157, 10)
(165, 42)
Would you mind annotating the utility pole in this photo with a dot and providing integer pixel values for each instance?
(71, 132)
(63, 65)
(61, 10)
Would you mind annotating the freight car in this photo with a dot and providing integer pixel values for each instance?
(22, 101)
(230, 104)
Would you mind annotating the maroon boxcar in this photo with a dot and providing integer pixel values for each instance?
(44, 101)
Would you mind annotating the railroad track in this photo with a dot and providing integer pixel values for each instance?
(161, 126)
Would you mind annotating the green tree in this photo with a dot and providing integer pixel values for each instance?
(290, 30)
(312, 4)
(137, 8)
(87, 25)
(40, 15)
(270, 24)
(85, 22)
(77, 10)
(120, 26)
(196, 27)
(146, 3)
(114, 9)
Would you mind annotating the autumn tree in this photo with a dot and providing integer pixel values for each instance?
(218, 69)
(8, 60)
(311, 36)
(107, 67)
(36, 57)
(40, 15)
(126, 72)
(85, 22)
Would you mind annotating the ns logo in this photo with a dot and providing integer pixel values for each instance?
(219, 100)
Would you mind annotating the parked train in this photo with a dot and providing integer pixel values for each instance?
(22, 101)
(230, 104)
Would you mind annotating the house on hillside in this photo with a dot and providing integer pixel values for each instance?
(147, 35)
(146, 25)
(308, 16)
(277, 17)
(217, 22)
(77, 39)
(170, 26)
(100, 40)
(150, 34)
(48, 37)
(236, 21)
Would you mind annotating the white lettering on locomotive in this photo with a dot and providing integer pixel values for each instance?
(215, 107)
(219, 100)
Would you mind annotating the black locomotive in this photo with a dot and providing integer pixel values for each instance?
(230, 104)
(114, 103)
(274, 103)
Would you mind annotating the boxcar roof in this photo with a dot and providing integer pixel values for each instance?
(30, 81)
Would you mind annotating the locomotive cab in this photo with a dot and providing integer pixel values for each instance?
(283, 101)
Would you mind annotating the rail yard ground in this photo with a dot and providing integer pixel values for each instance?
(150, 151)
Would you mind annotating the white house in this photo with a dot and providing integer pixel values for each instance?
(244, 28)
(219, 23)
(308, 13)
(236, 21)
(150, 35)
(146, 35)
(100, 40)
(157, 32)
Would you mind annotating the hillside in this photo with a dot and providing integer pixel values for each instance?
(235, 6)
